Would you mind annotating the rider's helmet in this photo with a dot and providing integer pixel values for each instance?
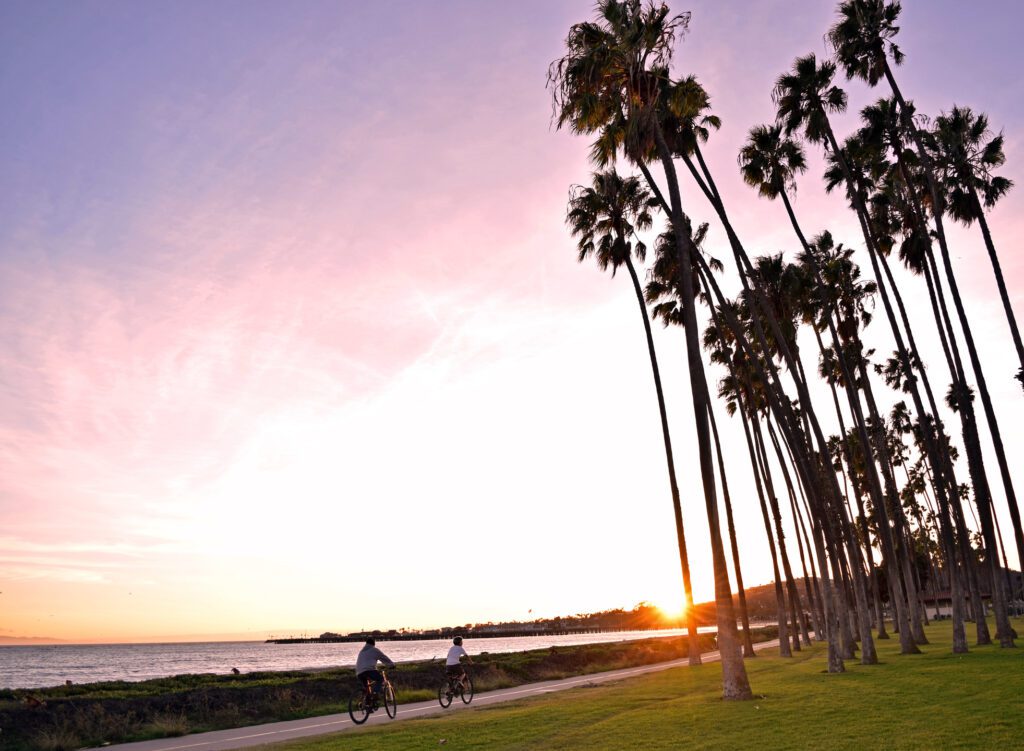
(458, 641)
(370, 641)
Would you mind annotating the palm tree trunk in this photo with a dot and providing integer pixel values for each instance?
(900, 563)
(822, 519)
(780, 600)
(748, 644)
(1003, 630)
(852, 544)
(1005, 297)
(780, 406)
(830, 313)
(1014, 511)
(693, 643)
(971, 444)
(743, 263)
(937, 203)
(795, 605)
(808, 590)
(899, 585)
(924, 377)
(735, 684)
(812, 589)
(757, 480)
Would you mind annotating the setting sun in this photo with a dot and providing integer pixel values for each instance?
(671, 611)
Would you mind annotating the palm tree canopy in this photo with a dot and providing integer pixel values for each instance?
(842, 283)
(785, 286)
(883, 125)
(613, 71)
(606, 216)
(863, 38)
(805, 96)
(770, 161)
(743, 382)
(664, 290)
(966, 152)
(865, 161)
(686, 116)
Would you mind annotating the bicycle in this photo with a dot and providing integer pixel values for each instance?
(455, 685)
(363, 702)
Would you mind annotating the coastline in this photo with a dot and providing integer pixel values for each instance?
(41, 666)
(112, 712)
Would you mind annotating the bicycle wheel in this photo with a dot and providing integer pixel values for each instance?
(357, 708)
(467, 691)
(444, 694)
(390, 705)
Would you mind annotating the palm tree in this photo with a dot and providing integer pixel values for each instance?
(965, 156)
(897, 211)
(863, 38)
(769, 162)
(757, 369)
(686, 118)
(664, 295)
(716, 341)
(605, 218)
(863, 42)
(804, 99)
(611, 76)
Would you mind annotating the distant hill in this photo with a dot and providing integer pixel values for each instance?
(29, 640)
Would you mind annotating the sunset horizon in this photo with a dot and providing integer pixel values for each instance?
(648, 373)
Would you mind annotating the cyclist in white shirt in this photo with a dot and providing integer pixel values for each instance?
(453, 665)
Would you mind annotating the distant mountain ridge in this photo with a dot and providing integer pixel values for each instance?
(29, 640)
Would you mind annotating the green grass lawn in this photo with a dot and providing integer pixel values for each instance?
(936, 700)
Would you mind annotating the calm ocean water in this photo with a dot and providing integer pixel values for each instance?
(52, 664)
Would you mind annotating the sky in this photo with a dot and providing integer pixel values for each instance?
(293, 337)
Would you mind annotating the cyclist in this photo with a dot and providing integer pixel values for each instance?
(453, 665)
(366, 665)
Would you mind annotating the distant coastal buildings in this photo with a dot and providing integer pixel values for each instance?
(643, 617)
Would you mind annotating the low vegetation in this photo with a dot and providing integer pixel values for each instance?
(70, 717)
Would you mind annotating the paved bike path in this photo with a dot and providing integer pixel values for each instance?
(256, 735)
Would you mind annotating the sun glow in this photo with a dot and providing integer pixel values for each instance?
(672, 610)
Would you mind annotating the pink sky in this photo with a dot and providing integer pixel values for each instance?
(287, 304)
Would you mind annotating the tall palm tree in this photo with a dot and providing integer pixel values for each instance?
(804, 98)
(663, 293)
(861, 155)
(611, 76)
(965, 155)
(896, 211)
(732, 388)
(766, 376)
(605, 218)
(863, 42)
(686, 118)
(770, 162)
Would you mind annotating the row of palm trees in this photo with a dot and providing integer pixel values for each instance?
(879, 509)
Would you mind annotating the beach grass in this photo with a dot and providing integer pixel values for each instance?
(933, 700)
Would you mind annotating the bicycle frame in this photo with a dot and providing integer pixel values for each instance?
(384, 685)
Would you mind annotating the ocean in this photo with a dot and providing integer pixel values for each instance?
(39, 666)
